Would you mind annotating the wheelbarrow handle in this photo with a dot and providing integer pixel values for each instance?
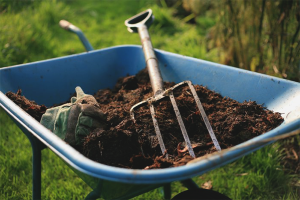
(70, 27)
(140, 23)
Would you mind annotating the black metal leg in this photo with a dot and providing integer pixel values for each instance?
(36, 171)
(167, 191)
(95, 194)
(189, 183)
(37, 148)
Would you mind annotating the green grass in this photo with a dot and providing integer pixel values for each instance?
(16, 169)
(33, 33)
(30, 32)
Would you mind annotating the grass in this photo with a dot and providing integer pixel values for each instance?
(34, 34)
(16, 170)
(30, 32)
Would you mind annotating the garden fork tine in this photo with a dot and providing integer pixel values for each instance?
(140, 23)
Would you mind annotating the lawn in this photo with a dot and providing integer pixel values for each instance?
(30, 32)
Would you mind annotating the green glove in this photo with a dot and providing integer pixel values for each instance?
(73, 121)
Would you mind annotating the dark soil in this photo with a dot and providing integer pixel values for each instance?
(130, 144)
(36, 111)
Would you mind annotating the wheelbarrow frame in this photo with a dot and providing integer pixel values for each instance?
(277, 94)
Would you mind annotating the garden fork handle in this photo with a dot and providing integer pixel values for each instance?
(140, 23)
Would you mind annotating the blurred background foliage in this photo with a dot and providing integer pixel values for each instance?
(260, 35)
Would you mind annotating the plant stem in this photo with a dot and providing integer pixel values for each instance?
(259, 48)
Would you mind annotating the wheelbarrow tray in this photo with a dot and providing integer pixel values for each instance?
(53, 81)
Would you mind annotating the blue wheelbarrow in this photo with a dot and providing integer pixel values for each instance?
(101, 69)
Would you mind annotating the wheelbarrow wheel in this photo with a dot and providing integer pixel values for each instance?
(200, 194)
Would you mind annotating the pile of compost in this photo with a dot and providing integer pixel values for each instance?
(133, 144)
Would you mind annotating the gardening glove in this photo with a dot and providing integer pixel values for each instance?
(73, 121)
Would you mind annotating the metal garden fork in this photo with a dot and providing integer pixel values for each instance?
(140, 23)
